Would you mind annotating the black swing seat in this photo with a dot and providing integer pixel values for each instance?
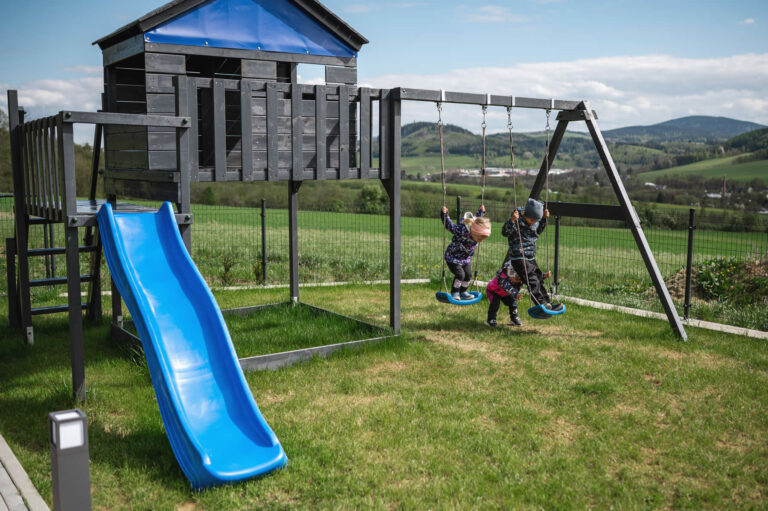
(541, 312)
(444, 297)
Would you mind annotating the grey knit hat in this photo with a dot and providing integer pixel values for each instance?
(534, 209)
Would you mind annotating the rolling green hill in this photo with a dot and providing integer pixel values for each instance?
(696, 128)
(717, 167)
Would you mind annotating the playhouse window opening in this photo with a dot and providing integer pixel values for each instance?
(129, 85)
(213, 67)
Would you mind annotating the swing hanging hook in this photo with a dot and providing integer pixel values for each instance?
(509, 117)
(485, 111)
(439, 113)
(548, 114)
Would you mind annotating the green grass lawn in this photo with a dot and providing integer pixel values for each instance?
(717, 167)
(590, 410)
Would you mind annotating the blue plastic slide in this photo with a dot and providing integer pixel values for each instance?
(215, 427)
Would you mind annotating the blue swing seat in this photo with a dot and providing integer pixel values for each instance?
(541, 312)
(444, 297)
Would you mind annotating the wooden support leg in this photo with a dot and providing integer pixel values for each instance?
(546, 164)
(293, 237)
(94, 287)
(117, 302)
(390, 145)
(76, 349)
(634, 224)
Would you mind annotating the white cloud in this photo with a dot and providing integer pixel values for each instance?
(624, 90)
(748, 21)
(87, 70)
(488, 14)
(47, 97)
(44, 97)
(358, 8)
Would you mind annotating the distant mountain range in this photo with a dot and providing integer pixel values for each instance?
(643, 148)
(695, 128)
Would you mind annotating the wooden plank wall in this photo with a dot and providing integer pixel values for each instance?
(161, 100)
(145, 84)
(126, 146)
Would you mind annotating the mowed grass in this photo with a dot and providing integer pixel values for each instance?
(590, 410)
(717, 167)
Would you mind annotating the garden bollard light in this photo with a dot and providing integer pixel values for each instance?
(69, 460)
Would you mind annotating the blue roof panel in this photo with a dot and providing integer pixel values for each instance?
(266, 25)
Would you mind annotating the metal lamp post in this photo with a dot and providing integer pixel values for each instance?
(69, 460)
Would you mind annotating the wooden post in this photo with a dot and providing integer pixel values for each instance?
(389, 150)
(546, 164)
(183, 159)
(72, 243)
(15, 125)
(293, 237)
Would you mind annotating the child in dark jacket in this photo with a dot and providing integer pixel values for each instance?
(504, 288)
(458, 255)
(522, 230)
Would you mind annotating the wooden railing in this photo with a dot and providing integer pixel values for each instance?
(250, 130)
(43, 174)
(48, 157)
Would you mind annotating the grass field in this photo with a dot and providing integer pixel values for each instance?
(596, 263)
(591, 410)
(717, 167)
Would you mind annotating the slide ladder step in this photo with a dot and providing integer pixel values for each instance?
(53, 309)
(58, 250)
(57, 281)
(41, 221)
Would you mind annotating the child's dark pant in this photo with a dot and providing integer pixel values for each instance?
(495, 303)
(535, 280)
(463, 274)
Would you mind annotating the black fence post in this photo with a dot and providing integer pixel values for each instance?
(264, 240)
(14, 317)
(458, 208)
(556, 280)
(689, 262)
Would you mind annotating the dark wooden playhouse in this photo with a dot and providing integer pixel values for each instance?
(240, 58)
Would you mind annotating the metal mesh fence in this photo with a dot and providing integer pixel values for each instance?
(597, 259)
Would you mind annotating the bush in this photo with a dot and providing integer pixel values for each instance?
(733, 281)
(228, 261)
(373, 200)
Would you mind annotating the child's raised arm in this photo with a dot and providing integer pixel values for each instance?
(446, 219)
(509, 226)
(543, 222)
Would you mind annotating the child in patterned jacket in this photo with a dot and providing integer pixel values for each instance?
(504, 288)
(523, 229)
(466, 236)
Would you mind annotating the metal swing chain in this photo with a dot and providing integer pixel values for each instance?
(482, 170)
(514, 188)
(546, 184)
(512, 154)
(483, 125)
(442, 176)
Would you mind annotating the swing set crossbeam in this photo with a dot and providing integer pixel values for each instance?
(470, 98)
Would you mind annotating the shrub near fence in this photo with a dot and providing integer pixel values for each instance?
(598, 259)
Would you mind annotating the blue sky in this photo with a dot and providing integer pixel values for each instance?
(638, 62)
